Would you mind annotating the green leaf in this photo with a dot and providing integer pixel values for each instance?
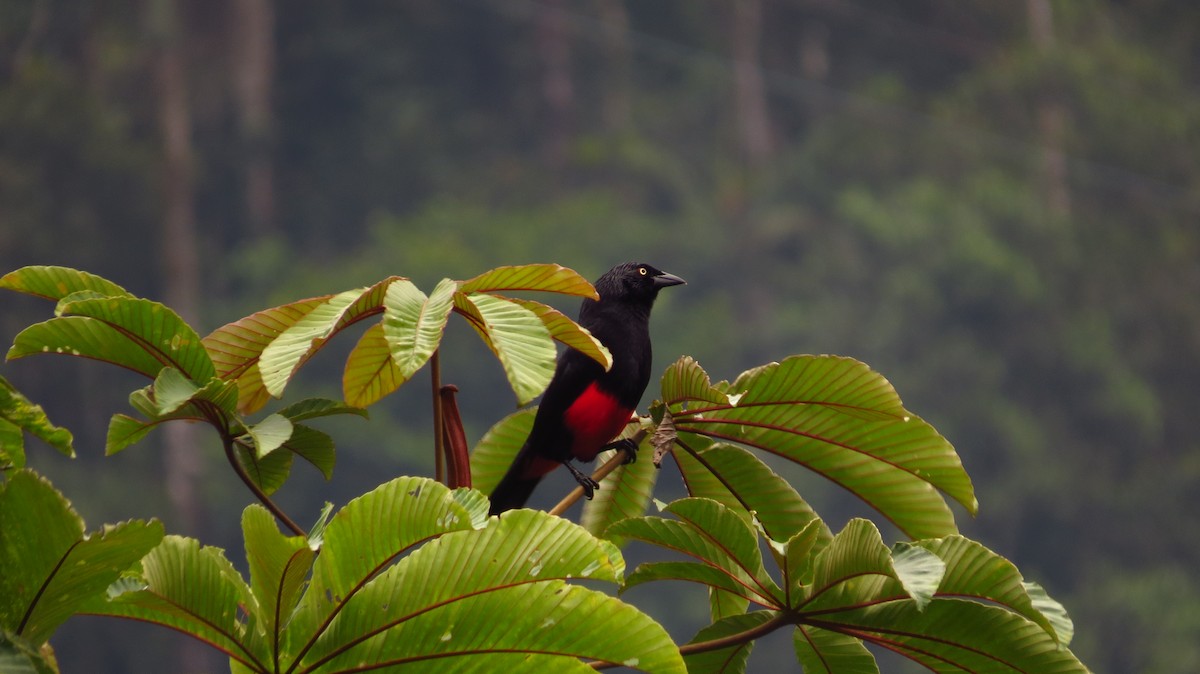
(713, 534)
(684, 381)
(152, 327)
(498, 447)
(952, 635)
(51, 569)
(55, 283)
(739, 480)
(732, 659)
(543, 277)
(314, 447)
(413, 323)
(192, 589)
(18, 656)
(235, 348)
(19, 415)
(370, 372)
(623, 493)
(825, 652)
(843, 421)
(12, 446)
(124, 431)
(856, 568)
(270, 472)
(519, 339)
(366, 536)
(289, 349)
(85, 337)
(515, 568)
(568, 332)
(279, 565)
(973, 571)
(799, 553)
(313, 408)
(171, 391)
(269, 434)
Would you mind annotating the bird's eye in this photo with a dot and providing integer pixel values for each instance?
(642, 271)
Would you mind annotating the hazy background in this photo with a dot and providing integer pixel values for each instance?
(995, 204)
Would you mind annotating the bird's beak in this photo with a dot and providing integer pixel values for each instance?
(664, 279)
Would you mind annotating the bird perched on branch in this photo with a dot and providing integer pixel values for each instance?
(584, 406)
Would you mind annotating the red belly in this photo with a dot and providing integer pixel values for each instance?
(594, 419)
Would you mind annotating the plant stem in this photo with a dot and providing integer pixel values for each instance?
(258, 492)
(439, 449)
(751, 634)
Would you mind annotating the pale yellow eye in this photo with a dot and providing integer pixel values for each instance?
(642, 271)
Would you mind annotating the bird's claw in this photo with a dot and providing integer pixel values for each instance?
(585, 481)
(630, 448)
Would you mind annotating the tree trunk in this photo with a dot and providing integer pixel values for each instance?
(1051, 116)
(181, 266)
(616, 107)
(750, 97)
(554, 48)
(253, 32)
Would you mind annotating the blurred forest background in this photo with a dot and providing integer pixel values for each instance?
(995, 204)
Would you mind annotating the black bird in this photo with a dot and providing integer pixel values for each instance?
(584, 407)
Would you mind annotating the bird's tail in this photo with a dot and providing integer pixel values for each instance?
(519, 482)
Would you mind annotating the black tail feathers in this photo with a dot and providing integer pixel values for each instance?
(512, 492)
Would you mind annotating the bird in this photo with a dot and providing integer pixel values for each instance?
(585, 406)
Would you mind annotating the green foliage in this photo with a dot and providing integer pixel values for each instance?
(19, 416)
(52, 568)
(414, 574)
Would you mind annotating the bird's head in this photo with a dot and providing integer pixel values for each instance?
(635, 282)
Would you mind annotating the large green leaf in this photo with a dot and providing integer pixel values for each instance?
(192, 589)
(289, 349)
(973, 571)
(507, 595)
(731, 659)
(235, 348)
(413, 323)
(952, 635)
(370, 372)
(741, 481)
(51, 568)
(824, 652)
(279, 566)
(543, 277)
(856, 568)
(567, 331)
(87, 338)
(520, 340)
(498, 447)
(725, 545)
(838, 418)
(55, 283)
(150, 326)
(19, 415)
(365, 537)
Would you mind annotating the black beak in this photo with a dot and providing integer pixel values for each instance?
(664, 279)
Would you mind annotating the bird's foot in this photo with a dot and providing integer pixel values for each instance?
(626, 445)
(589, 485)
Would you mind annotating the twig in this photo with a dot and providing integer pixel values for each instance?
(261, 495)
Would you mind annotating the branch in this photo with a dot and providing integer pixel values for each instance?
(781, 620)
(609, 466)
(261, 495)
